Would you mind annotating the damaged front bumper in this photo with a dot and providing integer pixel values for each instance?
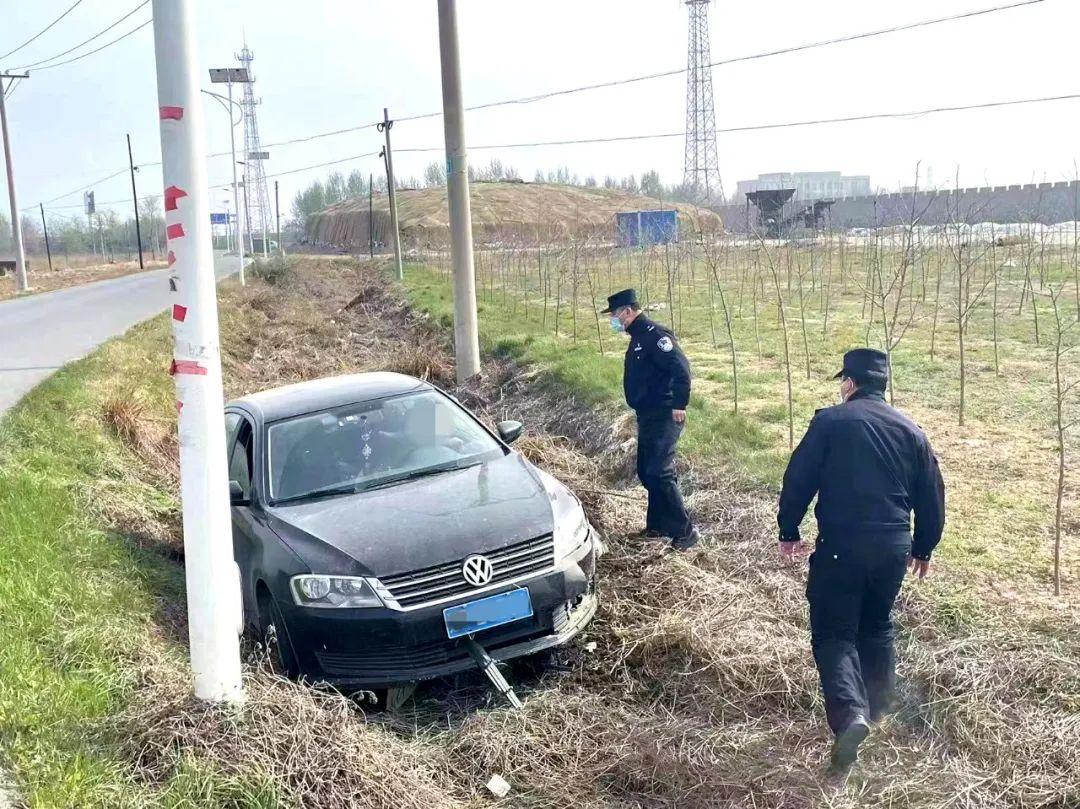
(378, 648)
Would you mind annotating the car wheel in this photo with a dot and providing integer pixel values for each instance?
(272, 635)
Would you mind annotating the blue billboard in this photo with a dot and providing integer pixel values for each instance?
(220, 218)
(642, 228)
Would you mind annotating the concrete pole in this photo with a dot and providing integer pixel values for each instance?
(21, 284)
(277, 220)
(135, 201)
(385, 127)
(247, 215)
(466, 338)
(235, 193)
(213, 582)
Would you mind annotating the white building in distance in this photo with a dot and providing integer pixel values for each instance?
(808, 185)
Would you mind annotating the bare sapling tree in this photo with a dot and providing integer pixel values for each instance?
(713, 253)
(774, 270)
(894, 296)
(800, 286)
(1063, 343)
(966, 252)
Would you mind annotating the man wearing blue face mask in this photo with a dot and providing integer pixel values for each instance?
(656, 383)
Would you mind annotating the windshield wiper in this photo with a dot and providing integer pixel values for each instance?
(327, 491)
(416, 473)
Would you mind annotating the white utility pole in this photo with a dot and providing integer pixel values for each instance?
(235, 190)
(466, 338)
(21, 284)
(213, 592)
(385, 127)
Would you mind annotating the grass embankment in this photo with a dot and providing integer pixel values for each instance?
(699, 693)
(80, 599)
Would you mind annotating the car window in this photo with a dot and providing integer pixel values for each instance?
(232, 424)
(240, 457)
(362, 444)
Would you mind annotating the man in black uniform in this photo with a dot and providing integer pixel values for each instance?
(870, 467)
(656, 382)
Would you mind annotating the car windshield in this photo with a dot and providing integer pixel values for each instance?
(363, 445)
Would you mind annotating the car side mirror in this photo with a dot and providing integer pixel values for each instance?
(510, 431)
(236, 493)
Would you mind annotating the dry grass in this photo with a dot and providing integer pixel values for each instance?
(700, 690)
(41, 280)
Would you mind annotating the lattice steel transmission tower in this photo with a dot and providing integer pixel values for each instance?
(257, 203)
(701, 168)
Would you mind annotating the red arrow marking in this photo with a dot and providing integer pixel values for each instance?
(172, 194)
(179, 312)
(174, 231)
(171, 113)
(186, 367)
(171, 258)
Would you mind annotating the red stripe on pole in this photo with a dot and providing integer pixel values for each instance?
(171, 113)
(179, 312)
(174, 231)
(172, 194)
(171, 258)
(186, 367)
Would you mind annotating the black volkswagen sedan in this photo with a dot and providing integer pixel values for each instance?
(377, 523)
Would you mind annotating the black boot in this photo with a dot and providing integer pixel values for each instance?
(845, 750)
(685, 543)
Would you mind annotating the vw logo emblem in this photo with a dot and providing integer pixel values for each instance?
(477, 570)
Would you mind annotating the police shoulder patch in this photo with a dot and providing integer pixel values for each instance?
(665, 343)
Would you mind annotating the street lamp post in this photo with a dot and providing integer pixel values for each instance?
(227, 76)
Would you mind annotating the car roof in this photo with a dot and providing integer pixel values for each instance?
(321, 394)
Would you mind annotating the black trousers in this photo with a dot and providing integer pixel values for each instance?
(658, 433)
(852, 588)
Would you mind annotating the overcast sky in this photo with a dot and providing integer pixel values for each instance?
(327, 64)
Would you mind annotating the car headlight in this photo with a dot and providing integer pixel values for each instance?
(333, 591)
(571, 531)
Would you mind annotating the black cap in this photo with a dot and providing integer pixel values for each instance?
(861, 363)
(625, 297)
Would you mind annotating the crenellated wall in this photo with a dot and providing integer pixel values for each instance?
(1035, 202)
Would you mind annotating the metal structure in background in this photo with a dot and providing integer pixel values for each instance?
(701, 167)
(257, 208)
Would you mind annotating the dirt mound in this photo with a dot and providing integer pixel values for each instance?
(501, 211)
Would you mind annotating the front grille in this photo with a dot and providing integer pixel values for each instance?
(418, 588)
(390, 660)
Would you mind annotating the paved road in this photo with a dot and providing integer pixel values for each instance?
(41, 333)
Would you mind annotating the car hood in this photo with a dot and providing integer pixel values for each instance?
(415, 524)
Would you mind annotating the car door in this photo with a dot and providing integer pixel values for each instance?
(240, 445)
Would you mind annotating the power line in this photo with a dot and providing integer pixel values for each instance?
(86, 41)
(618, 82)
(736, 59)
(762, 127)
(663, 74)
(42, 31)
(658, 136)
(97, 50)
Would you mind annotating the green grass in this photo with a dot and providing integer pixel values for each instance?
(992, 528)
(78, 601)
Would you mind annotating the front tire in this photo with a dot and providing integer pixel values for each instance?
(273, 635)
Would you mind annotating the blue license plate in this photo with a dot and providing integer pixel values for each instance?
(476, 616)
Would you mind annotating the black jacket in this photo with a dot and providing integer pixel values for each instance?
(656, 373)
(870, 466)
